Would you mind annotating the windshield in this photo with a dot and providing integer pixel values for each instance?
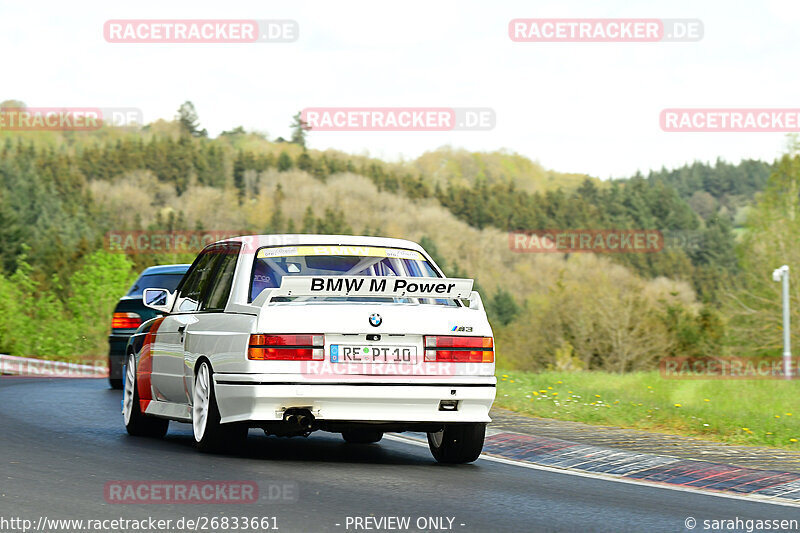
(155, 281)
(272, 264)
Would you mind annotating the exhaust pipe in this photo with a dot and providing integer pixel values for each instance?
(299, 417)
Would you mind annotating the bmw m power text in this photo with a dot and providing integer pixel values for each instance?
(298, 333)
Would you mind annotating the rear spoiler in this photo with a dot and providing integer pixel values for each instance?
(373, 287)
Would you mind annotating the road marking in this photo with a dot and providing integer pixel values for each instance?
(753, 498)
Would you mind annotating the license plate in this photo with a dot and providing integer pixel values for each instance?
(348, 353)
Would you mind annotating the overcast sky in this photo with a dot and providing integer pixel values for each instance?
(574, 107)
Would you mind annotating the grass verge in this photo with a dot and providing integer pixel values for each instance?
(754, 412)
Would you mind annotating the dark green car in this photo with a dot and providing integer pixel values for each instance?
(131, 312)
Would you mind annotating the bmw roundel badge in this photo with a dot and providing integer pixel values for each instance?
(375, 320)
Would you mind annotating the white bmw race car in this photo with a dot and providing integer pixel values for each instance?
(298, 333)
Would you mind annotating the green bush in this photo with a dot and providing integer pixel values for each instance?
(35, 322)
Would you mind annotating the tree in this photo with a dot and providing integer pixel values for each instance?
(276, 220)
(299, 130)
(189, 121)
(238, 174)
(304, 161)
(96, 287)
(429, 246)
(703, 204)
(284, 162)
(11, 237)
(238, 130)
(773, 231)
(502, 307)
(333, 223)
(309, 221)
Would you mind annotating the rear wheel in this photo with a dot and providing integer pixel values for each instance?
(115, 383)
(209, 434)
(362, 436)
(457, 443)
(136, 422)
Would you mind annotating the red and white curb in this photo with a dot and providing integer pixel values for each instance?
(686, 475)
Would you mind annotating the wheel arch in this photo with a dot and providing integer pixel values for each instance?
(200, 360)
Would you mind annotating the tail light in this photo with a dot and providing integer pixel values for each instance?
(447, 349)
(125, 321)
(285, 348)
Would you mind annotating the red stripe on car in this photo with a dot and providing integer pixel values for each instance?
(145, 368)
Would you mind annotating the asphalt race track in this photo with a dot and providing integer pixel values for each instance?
(62, 440)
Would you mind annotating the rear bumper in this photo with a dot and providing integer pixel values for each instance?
(260, 397)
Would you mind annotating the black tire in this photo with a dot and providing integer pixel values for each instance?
(216, 437)
(139, 424)
(457, 443)
(362, 436)
(115, 383)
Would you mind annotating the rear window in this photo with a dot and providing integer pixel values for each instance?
(272, 264)
(155, 281)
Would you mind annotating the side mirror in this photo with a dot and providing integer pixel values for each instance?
(158, 299)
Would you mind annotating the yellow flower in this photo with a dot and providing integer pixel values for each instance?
(769, 433)
(777, 416)
(745, 429)
(596, 395)
(706, 400)
(792, 440)
(543, 391)
(555, 394)
(512, 381)
(649, 387)
(677, 405)
(535, 393)
(549, 388)
(505, 375)
(559, 382)
(569, 391)
(788, 414)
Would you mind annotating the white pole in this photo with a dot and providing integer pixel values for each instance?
(782, 274)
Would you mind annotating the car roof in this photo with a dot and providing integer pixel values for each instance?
(258, 241)
(166, 269)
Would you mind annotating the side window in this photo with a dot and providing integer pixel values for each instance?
(221, 284)
(191, 291)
